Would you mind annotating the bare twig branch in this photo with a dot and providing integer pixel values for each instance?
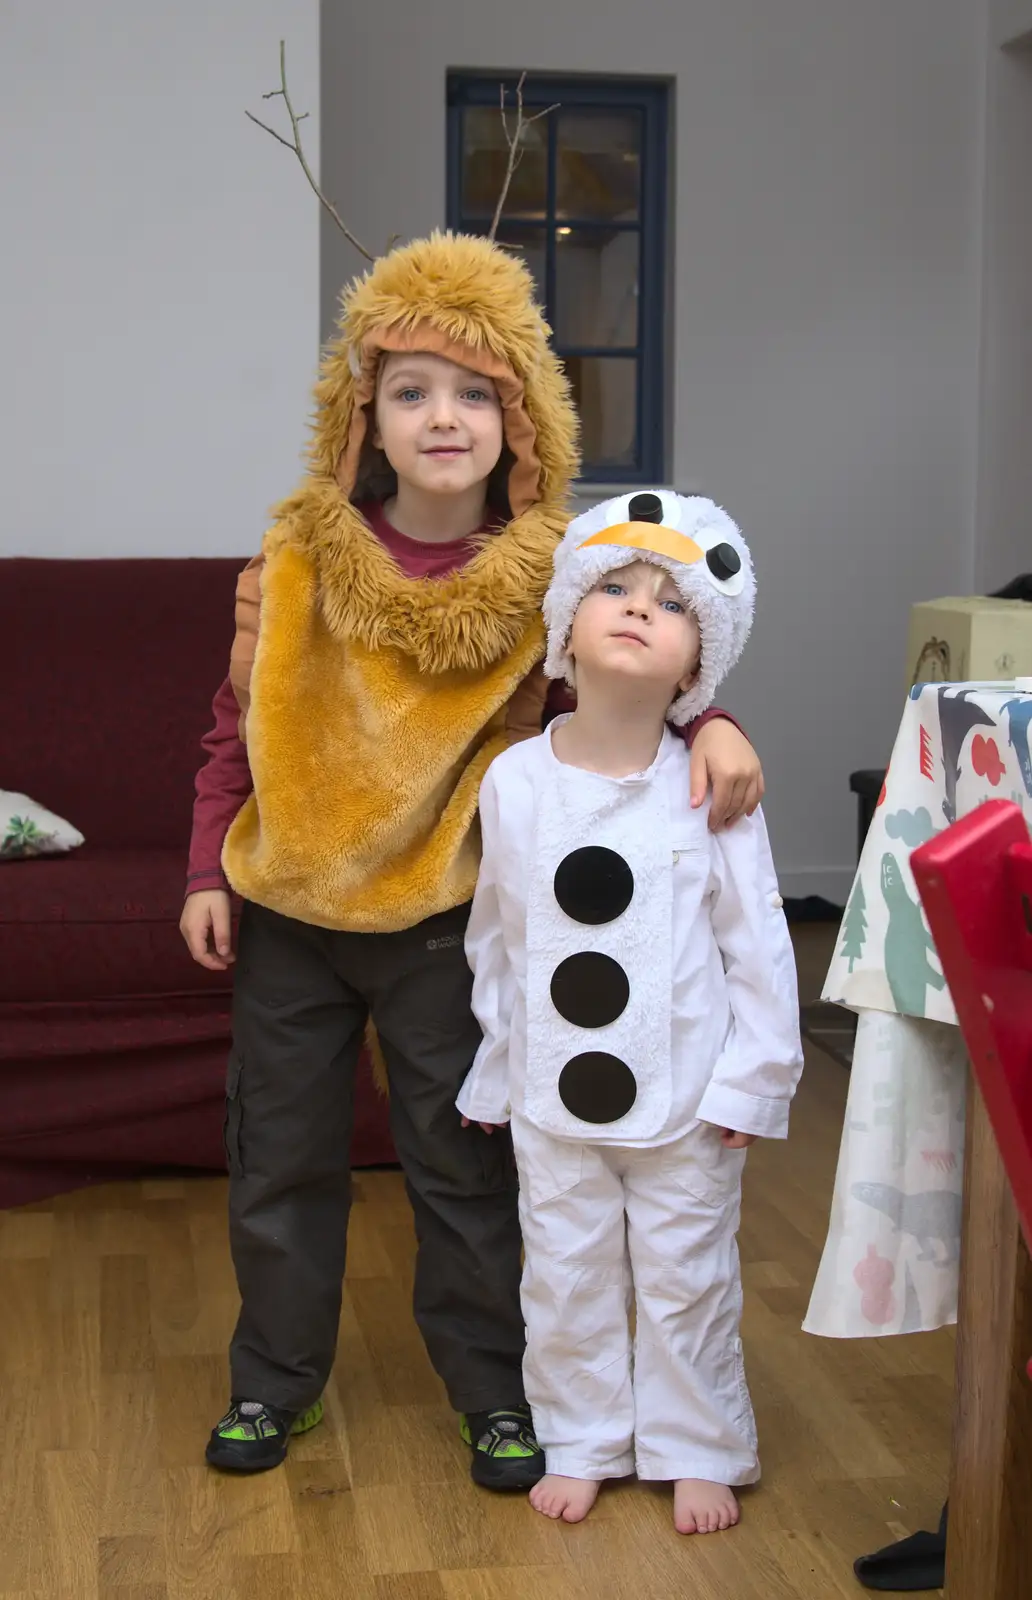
(258, 123)
(515, 144)
(282, 93)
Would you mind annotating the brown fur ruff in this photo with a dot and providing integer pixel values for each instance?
(466, 621)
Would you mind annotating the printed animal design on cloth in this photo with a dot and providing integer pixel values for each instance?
(985, 760)
(911, 827)
(874, 1276)
(1019, 716)
(931, 1217)
(940, 1160)
(925, 757)
(907, 943)
(957, 716)
(913, 1316)
(854, 927)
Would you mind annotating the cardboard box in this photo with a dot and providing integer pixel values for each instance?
(970, 640)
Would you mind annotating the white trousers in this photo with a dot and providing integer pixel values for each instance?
(603, 1226)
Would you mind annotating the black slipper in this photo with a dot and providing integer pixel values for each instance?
(912, 1566)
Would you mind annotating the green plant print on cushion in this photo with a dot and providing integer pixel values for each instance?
(24, 838)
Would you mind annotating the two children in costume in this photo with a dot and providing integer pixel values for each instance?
(389, 646)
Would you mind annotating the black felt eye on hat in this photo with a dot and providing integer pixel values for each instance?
(594, 885)
(724, 562)
(597, 1087)
(645, 508)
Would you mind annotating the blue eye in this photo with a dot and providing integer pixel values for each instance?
(476, 394)
(410, 394)
(674, 607)
(613, 588)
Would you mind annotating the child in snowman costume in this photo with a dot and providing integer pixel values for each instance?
(636, 988)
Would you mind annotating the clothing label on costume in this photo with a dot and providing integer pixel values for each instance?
(599, 959)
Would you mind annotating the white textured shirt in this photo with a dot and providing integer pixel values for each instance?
(711, 1026)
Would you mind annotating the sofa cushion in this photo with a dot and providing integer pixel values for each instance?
(95, 925)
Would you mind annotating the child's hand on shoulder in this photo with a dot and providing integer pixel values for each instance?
(736, 1141)
(488, 1127)
(723, 760)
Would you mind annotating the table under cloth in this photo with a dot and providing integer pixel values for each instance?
(891, 1260)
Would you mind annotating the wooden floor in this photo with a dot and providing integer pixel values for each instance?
(115, 1308)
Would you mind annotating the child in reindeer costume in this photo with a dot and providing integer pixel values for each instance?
(389, 645)
(635, 983)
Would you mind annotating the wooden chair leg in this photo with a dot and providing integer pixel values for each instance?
(989, 1551)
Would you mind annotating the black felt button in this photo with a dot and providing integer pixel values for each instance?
(590, 989)
(594, 885)
(597, 1087)
(645, 508)
(724, 561)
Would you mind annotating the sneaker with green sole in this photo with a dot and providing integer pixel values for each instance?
(253, 1437)
(506, 1454)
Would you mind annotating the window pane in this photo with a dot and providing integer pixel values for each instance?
(485, 157)
(605, 391)
(529, 244)
(598, 164)
(596, 287)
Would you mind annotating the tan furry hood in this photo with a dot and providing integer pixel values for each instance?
(470, 301)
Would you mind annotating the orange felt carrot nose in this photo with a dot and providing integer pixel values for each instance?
(654, 537)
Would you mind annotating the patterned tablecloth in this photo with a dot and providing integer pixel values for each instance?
(890, 1263)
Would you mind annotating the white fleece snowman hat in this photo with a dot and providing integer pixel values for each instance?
(692, 539)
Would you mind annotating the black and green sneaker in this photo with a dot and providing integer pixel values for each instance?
(253, 1437)
(506, 1454)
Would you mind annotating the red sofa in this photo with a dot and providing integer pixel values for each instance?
(112, 1041)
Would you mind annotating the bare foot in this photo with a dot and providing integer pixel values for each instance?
(568, 1498)
(701, 1507)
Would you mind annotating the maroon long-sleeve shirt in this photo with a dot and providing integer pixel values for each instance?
(224, 781)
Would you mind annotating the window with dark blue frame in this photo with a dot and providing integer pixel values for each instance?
(586, 210)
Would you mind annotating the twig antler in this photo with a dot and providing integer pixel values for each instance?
(515, 141)
(295, 121)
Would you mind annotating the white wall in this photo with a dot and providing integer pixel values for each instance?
(1005, 466)
(828, 173)
(1012, 19)
(158, 276)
